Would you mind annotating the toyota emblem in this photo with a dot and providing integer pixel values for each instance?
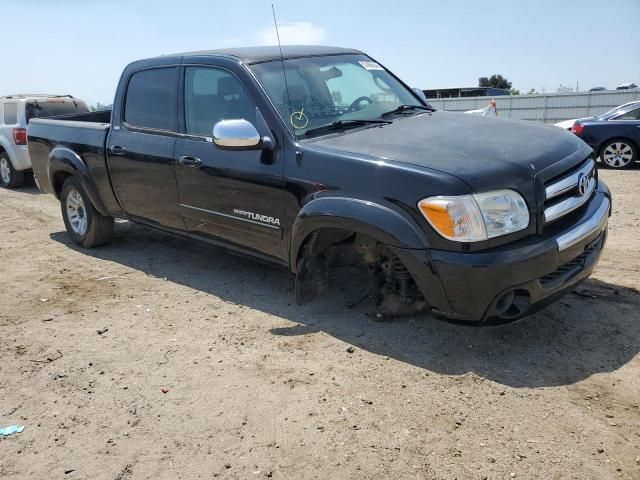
(583, 185)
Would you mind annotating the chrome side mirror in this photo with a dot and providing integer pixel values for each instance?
(236, 135)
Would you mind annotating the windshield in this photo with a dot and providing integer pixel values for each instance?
(324, 90)
(53, 109)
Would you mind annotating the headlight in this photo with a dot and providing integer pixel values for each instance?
(473, 218)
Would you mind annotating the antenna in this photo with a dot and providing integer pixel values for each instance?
(284, 73)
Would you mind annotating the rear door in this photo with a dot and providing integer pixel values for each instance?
(141, 148)
(234, 197)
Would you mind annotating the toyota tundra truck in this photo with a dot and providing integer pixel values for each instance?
(319, 157)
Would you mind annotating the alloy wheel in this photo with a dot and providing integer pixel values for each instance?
(617, 154)
(76, 212)
(5, 171)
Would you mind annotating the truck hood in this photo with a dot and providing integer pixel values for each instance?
(484, 152)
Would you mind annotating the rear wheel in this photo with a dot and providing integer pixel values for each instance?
(9, 176)
(618, 153)
(86, 226)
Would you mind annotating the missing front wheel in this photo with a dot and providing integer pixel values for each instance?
(391, 284)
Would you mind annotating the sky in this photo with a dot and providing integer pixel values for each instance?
(80, 47)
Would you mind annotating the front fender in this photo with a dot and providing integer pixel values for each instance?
(65, 160)
(377, 221)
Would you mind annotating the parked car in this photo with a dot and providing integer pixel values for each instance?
(626, 86)
(597, 89)
(568, 124)
(15, 113)
(615, 137)
(476, 219)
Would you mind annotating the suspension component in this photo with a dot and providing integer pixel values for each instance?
(402, 276)
(398, 293)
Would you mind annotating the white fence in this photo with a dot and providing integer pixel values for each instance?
(548, 108)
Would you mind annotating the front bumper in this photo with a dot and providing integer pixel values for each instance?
(516, 280)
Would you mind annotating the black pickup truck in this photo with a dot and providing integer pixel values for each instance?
(324, 158)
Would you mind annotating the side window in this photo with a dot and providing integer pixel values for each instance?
(632, 115)
(211, 95)
(10, 113)
(151, 99)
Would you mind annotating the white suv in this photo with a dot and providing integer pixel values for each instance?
(15, 113)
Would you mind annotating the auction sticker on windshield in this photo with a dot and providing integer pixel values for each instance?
(299, 120)
(371, 65)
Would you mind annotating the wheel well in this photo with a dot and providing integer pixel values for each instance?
(58, 181)
(335, 244)
(4, 150)
(391, 282)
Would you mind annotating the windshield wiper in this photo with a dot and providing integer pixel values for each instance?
(342, 124)
(406, 108)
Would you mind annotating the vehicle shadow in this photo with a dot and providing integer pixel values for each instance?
(596, 329)
(29, 185)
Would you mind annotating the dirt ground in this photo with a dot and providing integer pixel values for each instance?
(156, 358)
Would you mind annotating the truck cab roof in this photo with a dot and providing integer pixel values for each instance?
(270, 53)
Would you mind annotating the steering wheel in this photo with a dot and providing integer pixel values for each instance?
(355, 105)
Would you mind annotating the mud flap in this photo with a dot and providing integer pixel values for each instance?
(312, 279)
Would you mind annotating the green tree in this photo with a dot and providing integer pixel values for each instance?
(495, 81)
(100, 106)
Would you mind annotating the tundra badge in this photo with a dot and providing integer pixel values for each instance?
(256, 217)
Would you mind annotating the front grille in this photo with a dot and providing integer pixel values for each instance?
(575, 264)
(569, 191)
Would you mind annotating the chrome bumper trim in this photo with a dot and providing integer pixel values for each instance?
(596, 223)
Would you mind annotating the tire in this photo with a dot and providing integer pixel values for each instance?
(9, 176)
(618, 153)
(85, 225)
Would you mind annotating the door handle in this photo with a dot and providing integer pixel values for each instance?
(189, 161)
(118, 150)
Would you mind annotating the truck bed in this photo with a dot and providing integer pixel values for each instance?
(77, 141)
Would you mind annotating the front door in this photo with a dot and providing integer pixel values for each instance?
(234, 197)
(141, 149)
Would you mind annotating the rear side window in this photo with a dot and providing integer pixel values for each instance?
(151, 99)
(10, 113)
(632, 115)
(53, 109)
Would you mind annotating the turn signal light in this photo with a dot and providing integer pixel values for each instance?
(439, 217)
(20, 136)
